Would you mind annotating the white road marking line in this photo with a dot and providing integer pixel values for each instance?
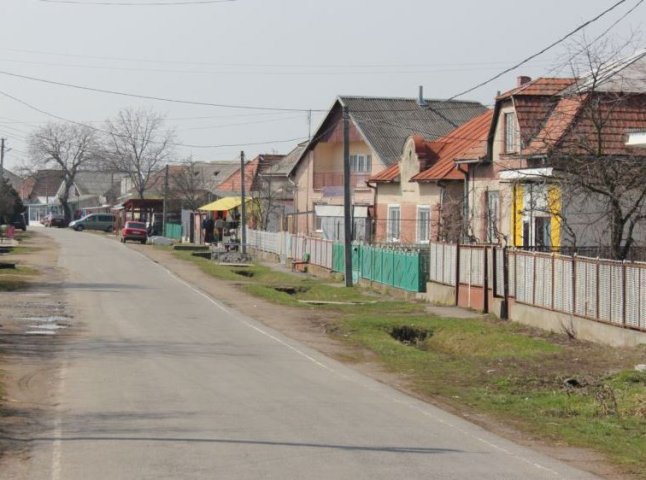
(57, 446)
(393, 399)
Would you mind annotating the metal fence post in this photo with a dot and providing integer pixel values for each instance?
(534, 278)
(457, 274)
(598, 314)
(486, 280)
(624, 292)
(574, 284)
(553, 275)
(504, 311)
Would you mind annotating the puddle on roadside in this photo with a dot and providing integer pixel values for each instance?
(244, 273)
(51, 319)
(292, 290)
(40, 332)
(49, 326)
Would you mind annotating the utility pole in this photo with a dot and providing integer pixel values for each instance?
(243, 208)
(347, 199)
(2, 140)
(165, 201)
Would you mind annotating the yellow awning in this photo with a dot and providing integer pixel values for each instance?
(222, 205)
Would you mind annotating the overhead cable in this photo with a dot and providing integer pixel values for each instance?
(186, 145)
(159, 99)
(533, 56)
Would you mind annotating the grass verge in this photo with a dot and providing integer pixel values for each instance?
(547, 385)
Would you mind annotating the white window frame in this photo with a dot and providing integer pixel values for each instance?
(511, 132)
(535, 201)
(493, 215)
(361, 163)
(318, 223)
(423, 226)
(391, 225)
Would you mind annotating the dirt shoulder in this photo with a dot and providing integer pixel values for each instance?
(29, 362)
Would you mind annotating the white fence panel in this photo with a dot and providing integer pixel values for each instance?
(320, 252)
(472, 265)
(633, 302)
(563, 284)
(616, 298)
(442, 259)
(499, 288)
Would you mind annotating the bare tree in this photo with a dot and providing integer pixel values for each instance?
(268, 192)
(65, 146)
(138, 145)
(265, 202)
(187, 184)
(599, 175)
(448, 220)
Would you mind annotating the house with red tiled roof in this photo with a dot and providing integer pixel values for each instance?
(491, 205)
(516, 194)
(254, 170)
(420, 197)
(378, 129)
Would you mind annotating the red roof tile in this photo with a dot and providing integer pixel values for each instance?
(467, 142)
(252, 169)
(545, 86)
(391, 174)
(555, 127)
(573, 126)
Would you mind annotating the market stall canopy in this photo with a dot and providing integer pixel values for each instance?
(222, 205)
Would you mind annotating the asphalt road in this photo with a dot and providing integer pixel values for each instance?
(162, 382)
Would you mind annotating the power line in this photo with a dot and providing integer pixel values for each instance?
(271, 120)
(549, 47)
(569, 60)
(159, 99)
(313, 70)
(100, 130)
(275, 65)
(12, 121)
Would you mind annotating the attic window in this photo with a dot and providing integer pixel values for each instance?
(511, 133)
(361, 163)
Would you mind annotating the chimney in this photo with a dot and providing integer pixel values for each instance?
(523, 80)
(420, 99)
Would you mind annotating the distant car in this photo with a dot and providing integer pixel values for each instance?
(95, 221)
(134, 231)
(54, 220)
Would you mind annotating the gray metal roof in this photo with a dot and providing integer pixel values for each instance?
(287, 164)
(386, 123)
(14, 180)
(215, 173)
(96, 183)
(627, 75)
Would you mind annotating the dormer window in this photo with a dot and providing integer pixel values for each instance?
(512, 135)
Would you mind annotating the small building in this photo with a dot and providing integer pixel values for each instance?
(420, 198)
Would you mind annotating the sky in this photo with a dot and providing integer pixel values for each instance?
(282, 54)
